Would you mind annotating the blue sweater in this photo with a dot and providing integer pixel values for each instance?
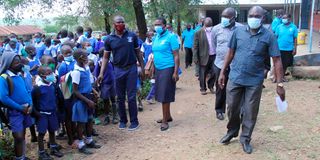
(19, 95)
(65, 68)
(44, 98)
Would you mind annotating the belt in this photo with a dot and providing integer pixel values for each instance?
(47, 113)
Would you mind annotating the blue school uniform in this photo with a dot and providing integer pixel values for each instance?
(34, 62)
(40, 47)
(50, 51)
(147, 50)
(19, 96)
(107, 86)
(45, 102)
(65, 68)
(81, 112)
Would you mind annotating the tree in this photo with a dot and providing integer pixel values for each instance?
(140, 18)
(66, 21)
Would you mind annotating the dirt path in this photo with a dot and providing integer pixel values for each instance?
(195, 132)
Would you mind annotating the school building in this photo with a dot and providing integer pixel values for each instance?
(23, 31)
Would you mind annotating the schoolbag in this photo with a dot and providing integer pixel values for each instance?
(3, 108)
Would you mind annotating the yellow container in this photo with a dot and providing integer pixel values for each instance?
(301, 38)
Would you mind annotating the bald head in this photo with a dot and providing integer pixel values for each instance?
(256, 11)
(208, 22)
(229, 12)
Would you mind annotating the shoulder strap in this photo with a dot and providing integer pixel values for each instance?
(9, 81)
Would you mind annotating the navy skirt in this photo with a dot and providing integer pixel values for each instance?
(165, 85)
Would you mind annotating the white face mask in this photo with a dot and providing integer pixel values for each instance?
(254, 23)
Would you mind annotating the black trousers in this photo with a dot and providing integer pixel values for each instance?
(243, 107)
(287, 60)
(203, 73)
(188, 58)
(220, 105)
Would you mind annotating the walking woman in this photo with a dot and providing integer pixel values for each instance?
(166, 60)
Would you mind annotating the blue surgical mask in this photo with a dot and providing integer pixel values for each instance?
(254, 23)
(26, 68)
(104, 38)
(86, 34)
(285, 21)
(51, 78)
(74, 48)
(37, 40)
(225, 22)
(158, 29)
(89, 49)
(52, 42)
(14, 39)
(68, 59)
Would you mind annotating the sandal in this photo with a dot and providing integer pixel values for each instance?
(169, 120)
(164, 126)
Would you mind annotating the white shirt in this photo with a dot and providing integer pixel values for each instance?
(75, 74)
(148, 43)
(93, 58)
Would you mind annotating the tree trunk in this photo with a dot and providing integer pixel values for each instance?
(140, 18)
(178, 18)
(106, 22)
(171, 18)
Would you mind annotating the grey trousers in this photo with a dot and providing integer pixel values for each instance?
(242, 108)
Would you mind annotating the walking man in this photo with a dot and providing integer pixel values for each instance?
(221, 35)
(204, 55)
(248, 48)
(125, 51)
(187, 41)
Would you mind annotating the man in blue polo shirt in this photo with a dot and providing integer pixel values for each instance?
(277, 20)
(287, 34)
(187, 41)
(125, 52)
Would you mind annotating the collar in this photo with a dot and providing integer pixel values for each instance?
(41, 83)
(11, 74)
(261, 30)
(147, 42)
(113, 33)
(164, 34)
(29, 59)
(78, 68)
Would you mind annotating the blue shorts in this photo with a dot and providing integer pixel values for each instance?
(19, 121)
(80, 112)
(47, 123)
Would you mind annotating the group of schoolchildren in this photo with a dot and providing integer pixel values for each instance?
(50, 86)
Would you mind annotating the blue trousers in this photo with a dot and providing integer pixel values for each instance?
(151, 92)
(126, 84)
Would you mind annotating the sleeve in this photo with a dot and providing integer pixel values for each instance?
(61, 70)
(273, 47)
(214, 39)
(295, 32)
(75, 75)
(174, 43)
(276, 32)
(107, 46)
(233, 40)
(142, 48)
(54, 52)
(273, 25)
(135, 41)
(5, 98)
(35, 98)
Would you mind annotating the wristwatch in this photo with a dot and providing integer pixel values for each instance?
(280, 85)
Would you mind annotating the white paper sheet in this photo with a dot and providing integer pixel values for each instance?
(281, 105)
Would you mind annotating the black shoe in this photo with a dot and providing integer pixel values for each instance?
(95, 133)
(84, 150)
(106, 120)
(220, 116)
(247, 147)
(169, 120)
(115, 120)
(212, 90)
(44, 156)
(227, 138)
(57, 146)
(93, 145)
(164, 126)
(55, 152)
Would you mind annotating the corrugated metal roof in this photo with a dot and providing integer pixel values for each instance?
(19, 30)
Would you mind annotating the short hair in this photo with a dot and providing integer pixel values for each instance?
(79, 29)
(169, 24)
(117, 16)
(65, 48)
(30, 48)
(163, 20)
(69, 43)
(47, 40)
(89, 29)
(288, 15)
(64, 33)
(43, 69)
(79, 53)
(70, 35)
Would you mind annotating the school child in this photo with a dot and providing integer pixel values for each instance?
(50, 51)
(149, 71)
(45, 106)
(91, 56)
(34, 62)
(66, 67)
(17, 47)
(14, 95)
(94, 89)
(139, 88)
(25, 73)
(83, 105)
(107, 91)
(146, 47)
(39, 45)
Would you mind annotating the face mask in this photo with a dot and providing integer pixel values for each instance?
(158, 29)
(26, 68)
(254, 23)
(52, 42)
(104, 38)
(120, 27)
(86, 34)
(285, 21)
(68, 59)
(14, 39)
(37, 40)
(225, 22)
(52, 66)
(74, 48)
(89, 50)
(50, 78)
